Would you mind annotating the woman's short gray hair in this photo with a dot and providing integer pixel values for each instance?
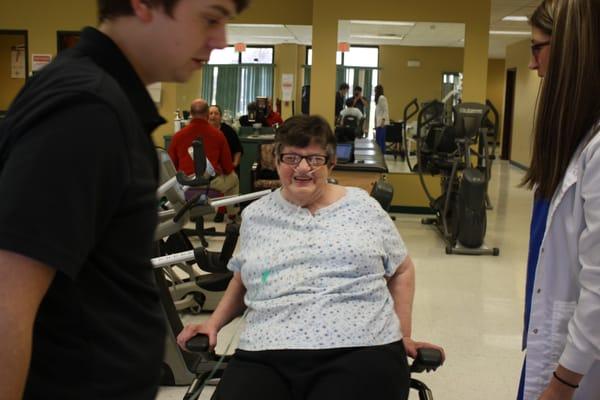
(303, 131)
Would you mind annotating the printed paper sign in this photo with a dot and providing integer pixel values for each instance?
(39, 61)
(17, 63)
(287, 86)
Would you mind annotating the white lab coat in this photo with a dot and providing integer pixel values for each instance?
(382, 116)
(564, 323)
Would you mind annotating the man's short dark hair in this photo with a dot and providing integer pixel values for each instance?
(344, 86)
(357, 89)
(108, 9)
(303, 131)
(349, 103)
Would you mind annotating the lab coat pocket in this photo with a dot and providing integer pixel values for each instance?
(562, 311)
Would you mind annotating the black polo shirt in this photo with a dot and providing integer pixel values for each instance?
(78, 175)
(235, 146)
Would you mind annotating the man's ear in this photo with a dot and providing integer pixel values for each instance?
(142, 9)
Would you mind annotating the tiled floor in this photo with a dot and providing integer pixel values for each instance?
(471, 305)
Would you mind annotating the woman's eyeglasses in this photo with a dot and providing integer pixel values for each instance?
(537, 47)
(314, 160)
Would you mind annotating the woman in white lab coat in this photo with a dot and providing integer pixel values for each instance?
(562, 306)
(382, 116)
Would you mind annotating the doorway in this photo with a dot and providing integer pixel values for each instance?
(14, 65)
(509, 104)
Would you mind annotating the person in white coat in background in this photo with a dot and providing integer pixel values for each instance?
(562, 302)
(382, 116)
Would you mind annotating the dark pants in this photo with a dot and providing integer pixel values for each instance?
(375, 372)
(380, 137)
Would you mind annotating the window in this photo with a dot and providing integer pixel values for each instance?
(258, 55)
(358, 56)
(338, 57)
(233, 79)
(452, 87)
(357, 67)
(362, 57)
(252, 55)
(224, 56)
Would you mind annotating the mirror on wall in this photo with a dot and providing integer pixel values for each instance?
(411, 60)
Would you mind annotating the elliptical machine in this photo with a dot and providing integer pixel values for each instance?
(182, 368)
(446, 150)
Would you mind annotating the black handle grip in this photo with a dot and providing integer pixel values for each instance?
(216, 262)
(199, 167)
(198, 344)
(427, 359)
(408, 115)
(232, 232)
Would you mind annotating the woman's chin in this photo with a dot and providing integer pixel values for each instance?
(303, 184)
(300, 193)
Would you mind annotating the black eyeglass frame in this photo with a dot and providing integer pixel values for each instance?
(306, 157)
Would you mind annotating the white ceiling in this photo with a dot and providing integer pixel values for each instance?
(377, 33)
(500, 9)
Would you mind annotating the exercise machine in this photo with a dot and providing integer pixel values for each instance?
(202, 287)
(180, 368)
(446, 150)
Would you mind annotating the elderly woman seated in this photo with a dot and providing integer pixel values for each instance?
(327, 281)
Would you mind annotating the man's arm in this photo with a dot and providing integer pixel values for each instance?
(22, 287)
(237, 158)
(225, 156)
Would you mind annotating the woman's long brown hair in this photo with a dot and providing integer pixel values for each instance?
(569, 103)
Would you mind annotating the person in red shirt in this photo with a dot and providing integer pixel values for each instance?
(273, 117)
(216, 149)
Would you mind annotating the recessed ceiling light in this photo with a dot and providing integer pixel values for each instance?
(520, 18)
(513, 33)
(394, 23)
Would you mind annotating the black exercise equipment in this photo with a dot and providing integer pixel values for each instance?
(446, 151)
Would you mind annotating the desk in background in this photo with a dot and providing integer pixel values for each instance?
(368, 166)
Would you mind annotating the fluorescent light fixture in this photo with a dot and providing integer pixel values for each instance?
(256, 25)
(393, 23)
(377, 37)
(519, 18)
(512, 33)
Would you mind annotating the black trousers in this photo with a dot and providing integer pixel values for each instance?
(375, 372)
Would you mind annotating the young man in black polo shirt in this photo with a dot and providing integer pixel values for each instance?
(79, 312)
